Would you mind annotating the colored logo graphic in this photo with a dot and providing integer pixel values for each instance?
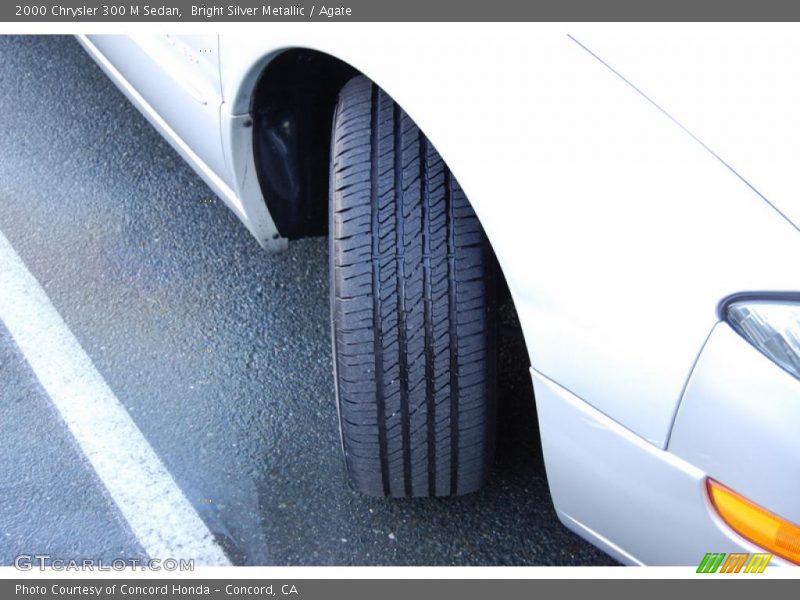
(714, 562)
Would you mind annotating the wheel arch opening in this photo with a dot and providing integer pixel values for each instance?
(292, 107)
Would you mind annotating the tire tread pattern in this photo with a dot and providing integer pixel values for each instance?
(413, 313)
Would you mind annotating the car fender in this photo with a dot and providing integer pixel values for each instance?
(617, 231)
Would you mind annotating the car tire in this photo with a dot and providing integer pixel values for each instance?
(412, 307)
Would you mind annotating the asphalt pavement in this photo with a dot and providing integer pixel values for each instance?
(219, 352)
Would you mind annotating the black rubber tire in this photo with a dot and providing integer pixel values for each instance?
(412, 304)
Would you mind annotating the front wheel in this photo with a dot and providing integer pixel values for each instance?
(412, 307)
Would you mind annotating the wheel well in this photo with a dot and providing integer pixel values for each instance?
(292, 112)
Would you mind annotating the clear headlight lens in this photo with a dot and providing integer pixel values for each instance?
(772, 327)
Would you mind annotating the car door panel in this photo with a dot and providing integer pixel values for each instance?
(179, 77)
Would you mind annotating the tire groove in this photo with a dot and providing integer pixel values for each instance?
(376, 294)
(426, 307)
(402, 344)
(451, 317)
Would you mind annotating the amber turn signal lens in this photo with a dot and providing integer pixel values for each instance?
(779, 536)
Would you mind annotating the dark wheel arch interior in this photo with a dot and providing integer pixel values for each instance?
(292, 114)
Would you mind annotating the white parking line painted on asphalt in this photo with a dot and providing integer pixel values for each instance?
(159, 514)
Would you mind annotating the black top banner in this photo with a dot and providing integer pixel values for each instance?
(38, 11)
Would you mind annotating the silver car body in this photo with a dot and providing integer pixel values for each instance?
(630, 179)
